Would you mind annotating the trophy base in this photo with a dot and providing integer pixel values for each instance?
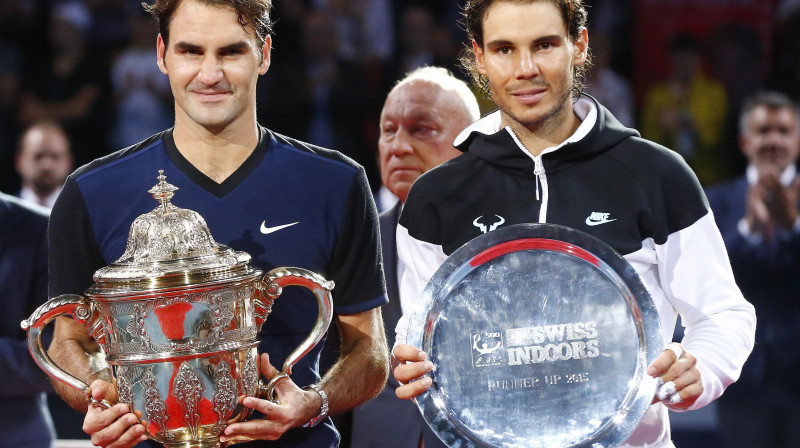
(194, 444)
(204, 436)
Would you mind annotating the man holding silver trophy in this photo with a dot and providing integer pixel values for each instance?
(285, 202)
(553, 155)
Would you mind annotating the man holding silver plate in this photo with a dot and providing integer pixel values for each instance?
(550, 261)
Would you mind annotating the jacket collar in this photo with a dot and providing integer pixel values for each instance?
(598, 132)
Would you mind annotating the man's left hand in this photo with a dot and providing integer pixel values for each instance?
(296, 407)
(680, 382)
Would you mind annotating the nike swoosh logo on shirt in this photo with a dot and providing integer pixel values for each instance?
(591, 222)
(267, 230)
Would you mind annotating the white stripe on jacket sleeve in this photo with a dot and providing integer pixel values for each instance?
(419, 260)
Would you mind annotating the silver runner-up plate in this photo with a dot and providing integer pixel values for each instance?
(540, 336)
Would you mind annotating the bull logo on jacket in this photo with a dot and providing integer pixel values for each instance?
(477, 223)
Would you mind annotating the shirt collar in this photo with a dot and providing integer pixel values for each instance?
(584, 109)
(787, 176)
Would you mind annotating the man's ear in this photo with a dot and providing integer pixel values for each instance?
(581, 48)
(744, 145)
(266, 52)
(160, 52)
(478, 50)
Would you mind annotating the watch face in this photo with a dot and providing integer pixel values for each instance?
(540, 336)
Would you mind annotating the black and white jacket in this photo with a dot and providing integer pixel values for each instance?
(605, 180)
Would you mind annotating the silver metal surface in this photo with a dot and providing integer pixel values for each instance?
(178, 317)
(169, 247)
(540, 336)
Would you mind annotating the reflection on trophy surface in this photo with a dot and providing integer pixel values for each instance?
(540, 335)
(178, 316)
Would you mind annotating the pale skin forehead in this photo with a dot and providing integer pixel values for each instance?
(763, 115)
(36, 137)
(423, 99)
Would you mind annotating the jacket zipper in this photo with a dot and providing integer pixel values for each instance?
(541, 177)
(538, 171)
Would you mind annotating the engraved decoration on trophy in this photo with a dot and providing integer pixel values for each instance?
(178, 317)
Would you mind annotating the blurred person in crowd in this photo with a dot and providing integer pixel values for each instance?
(141, 91)
(26, 421)
(110, 27)
(286, 83)
(10, 89)
(687, 111)
(757, 215)
(71, 87)
(364, 28)
(43, 162)
(784, 73)
(256, 189)
(553, 155)
(365, 37)
(324, 99)
(416, 39)
(336, 93)
(737, 62)
(606, 85)
(422, 116)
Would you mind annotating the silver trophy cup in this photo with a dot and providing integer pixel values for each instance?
(178, 316)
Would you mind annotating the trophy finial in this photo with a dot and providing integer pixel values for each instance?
(163, 191)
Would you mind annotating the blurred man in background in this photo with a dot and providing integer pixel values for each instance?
(757, 215)
(26, 422)
(422, 116)
(43, 162)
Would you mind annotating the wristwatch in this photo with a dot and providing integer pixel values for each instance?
(323, 409)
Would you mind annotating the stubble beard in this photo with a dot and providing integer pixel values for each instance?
(550, 121)
(547, 122)
(44, 185)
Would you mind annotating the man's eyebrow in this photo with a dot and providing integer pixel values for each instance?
(498, 43)
(503, 42)
(235, 47)
(550, 38)
(185, 46)
(231, 48)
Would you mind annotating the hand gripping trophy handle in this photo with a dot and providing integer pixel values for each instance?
(83, 311)
(273, 283)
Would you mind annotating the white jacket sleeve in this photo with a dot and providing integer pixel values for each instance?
(697, 279)
(419, 260)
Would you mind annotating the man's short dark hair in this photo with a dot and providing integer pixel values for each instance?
(249, 12)
(769, 99)
(573, 14)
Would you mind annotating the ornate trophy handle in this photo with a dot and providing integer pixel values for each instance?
(273, 282)
(83, 311)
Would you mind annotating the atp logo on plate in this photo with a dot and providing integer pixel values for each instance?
(487, 349)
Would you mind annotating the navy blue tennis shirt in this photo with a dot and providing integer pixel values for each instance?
(289, 204)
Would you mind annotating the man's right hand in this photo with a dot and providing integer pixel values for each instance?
(411, 364)
(115, 427)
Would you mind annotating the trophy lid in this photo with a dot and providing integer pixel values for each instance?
(169, 247)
